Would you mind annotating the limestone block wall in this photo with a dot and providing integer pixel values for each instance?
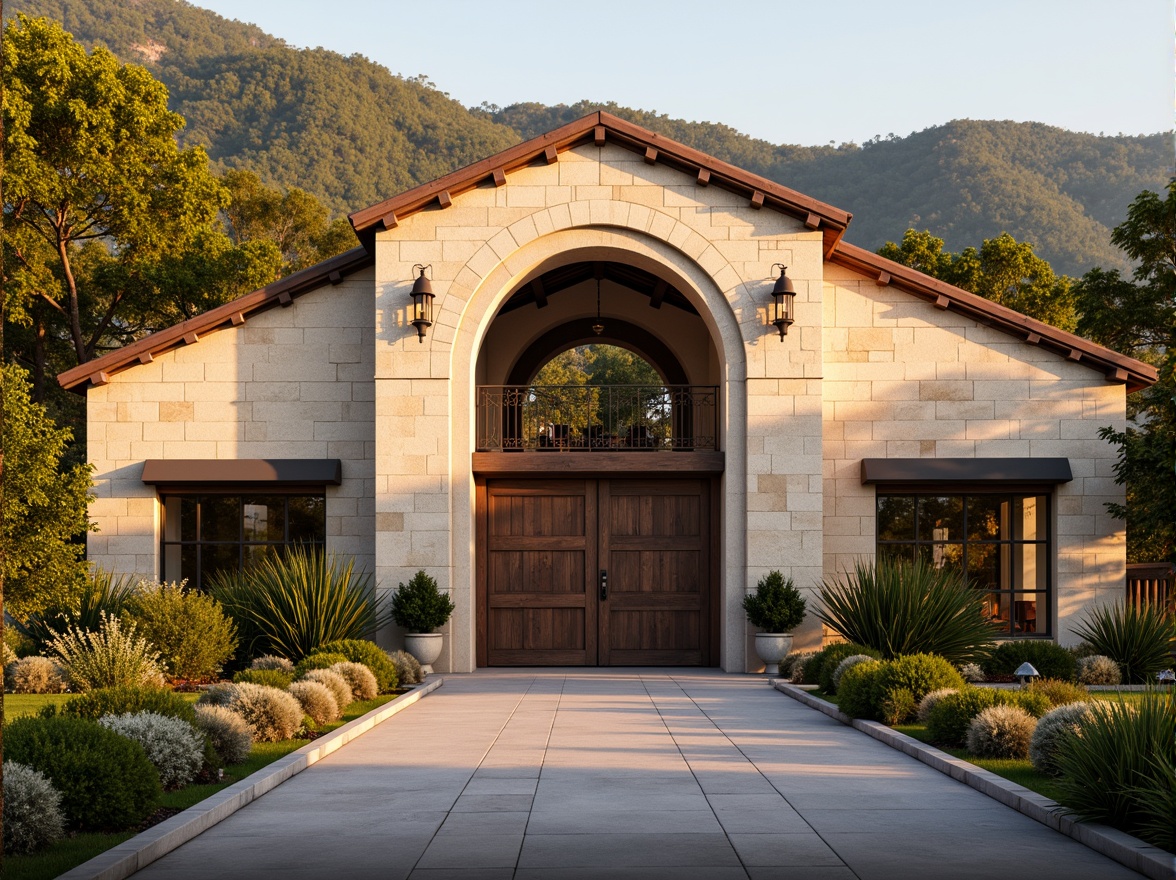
(292, 382)
(906, 380)
(599, 203)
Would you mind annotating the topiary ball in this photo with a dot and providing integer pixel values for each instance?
(930, 700)
(1099, 669)
(360, 678)
(316, 700)
(335, 683)
(227, 731)
(370, 655)
(32, 810)
(851, 660)
(1052, 728)
(173, 746)
(1001, 732)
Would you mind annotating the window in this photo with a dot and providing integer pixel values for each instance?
(206, 532)
(999, 541)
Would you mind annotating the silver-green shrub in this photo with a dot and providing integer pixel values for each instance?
(1099, 669)
(217, 695)
(928, 702)
(1051, 729)
(34, 675)
(1001, 732)
(796, 672)
(360, 678)
(972, 673)
(333, 682)
(316, 700)
(272, 661)
(173, 746)
(32, 810)
(114, 656)
(272, 714)
(227, 732)
(851, 660)
(408, 668)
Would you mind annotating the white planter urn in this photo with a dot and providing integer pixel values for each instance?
(772, 648)
(426, 647)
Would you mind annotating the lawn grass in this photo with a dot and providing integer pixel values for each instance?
(73, 851)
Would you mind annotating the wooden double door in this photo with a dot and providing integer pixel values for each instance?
(595, 572)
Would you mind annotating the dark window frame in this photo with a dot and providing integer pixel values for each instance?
(964, 490)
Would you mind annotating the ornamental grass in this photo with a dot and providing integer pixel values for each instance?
(1138, 638)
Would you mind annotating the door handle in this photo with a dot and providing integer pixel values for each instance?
(603, 585)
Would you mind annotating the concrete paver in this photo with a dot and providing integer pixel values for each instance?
(633, 774)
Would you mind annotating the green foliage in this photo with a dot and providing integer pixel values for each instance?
(105, 780)
(902, 608)
(918, 673)
(897, 706)
(128, 700)
(776, 606)
(44, 504)
(317, 661)
(893, 685)
(269, 677)
(855, 691)
(190, 629)
(1120, 753)
(32, 810)
(930, 700)
(820, 667)
(370, 655)
(1001, 732)
(1059, 693)
(114, 656)
(99, 594)
(1050, 659)
(290, 603)
(1138, 638)
(419, 606)
(843, 667)
(948, 720)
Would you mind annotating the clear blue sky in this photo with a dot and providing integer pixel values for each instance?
(796, 72)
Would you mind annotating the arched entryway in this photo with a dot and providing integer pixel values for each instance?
(597, 507)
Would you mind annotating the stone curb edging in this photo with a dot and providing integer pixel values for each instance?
(1151, 861)
(141, 850)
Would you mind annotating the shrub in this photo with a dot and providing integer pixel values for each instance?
(972, 673)
(1001, 732)
(100, 594)
(290, 603)
(105, 780)
(851, 660)
(1053, 726)
(271, 714)
(110, 657)
(32, 810)
(1120, 753)
(1048, 658)
(317, 661)
(1137, 637)
(776, 606)
(333, 682)
(408, 668)
(191, 630)
(918, 673)
(930, 700)
(34, 675)
(419, 606)
(129, 700)
(898, 608)
(269, 677)
(819, 670)
(1099, 669)
(370, 655)
(948, 719)
(316, 700)
(359, 678)
(226, 731)
(174, 747)
(856, 697)
(897, 706)
(270, 661)
(1059, 693)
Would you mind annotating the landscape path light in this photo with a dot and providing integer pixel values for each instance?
(1026, 670)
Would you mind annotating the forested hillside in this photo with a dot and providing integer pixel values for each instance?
(351, 132)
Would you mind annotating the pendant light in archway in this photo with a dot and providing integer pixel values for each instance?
(598, 327)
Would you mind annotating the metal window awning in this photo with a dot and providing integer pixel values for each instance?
(992, 471)
(226, 472)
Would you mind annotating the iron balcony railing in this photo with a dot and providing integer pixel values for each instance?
(578, 418)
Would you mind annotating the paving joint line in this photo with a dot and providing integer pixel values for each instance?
(157, 841)
(1129, 851)
(546, 745)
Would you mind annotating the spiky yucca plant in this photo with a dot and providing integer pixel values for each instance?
(1138, 638)
(290, 603)
(903, 608)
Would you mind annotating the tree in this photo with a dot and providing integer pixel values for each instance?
(44, 508)
(1138, 317)
(1003, 270)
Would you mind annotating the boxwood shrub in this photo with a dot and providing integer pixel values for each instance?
(105, 780)
(948, 720)
(1048, 658)
(276, 678)
(128, 701)
(890, 690)
(829, 656)
(370, 655)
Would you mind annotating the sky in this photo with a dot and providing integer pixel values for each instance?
(815, 72)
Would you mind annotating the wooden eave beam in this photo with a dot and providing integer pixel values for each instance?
(650, 156)
(599, 135)
(539, 293)
(659, 293)
(498, 177)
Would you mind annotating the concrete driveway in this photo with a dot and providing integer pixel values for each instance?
(625, 773)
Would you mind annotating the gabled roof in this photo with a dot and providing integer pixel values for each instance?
(600, 128)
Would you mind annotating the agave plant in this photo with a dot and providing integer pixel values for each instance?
(903, 608)
(288, 604)
(102, 594)
(1138, 638)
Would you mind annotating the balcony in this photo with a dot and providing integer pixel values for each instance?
(597, 419)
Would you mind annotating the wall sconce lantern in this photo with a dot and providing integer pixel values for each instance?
(783, 293)
(422, 302)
